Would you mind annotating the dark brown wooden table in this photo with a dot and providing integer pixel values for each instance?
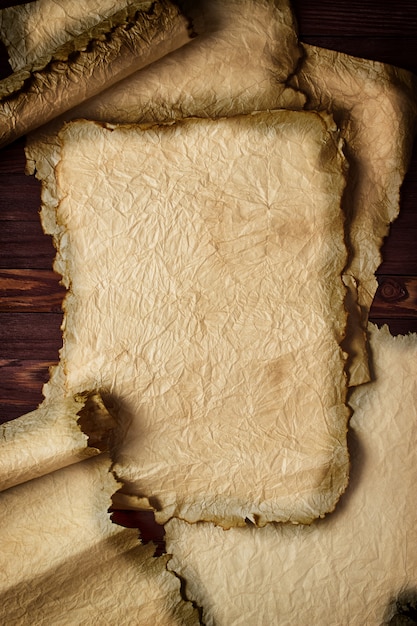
(30, 294)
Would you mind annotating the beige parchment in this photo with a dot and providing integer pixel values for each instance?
(253, 100)
(206, 305)
(63, 561)
(132, 38)
(354, 117)
(349, 568)
(375, 106)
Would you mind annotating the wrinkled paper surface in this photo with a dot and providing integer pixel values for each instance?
(346, 569)
(206, 305)
(375, 106)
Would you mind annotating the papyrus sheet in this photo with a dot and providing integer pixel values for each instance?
(126, 42)
(206, 304)
(64, 562)
(349, 568)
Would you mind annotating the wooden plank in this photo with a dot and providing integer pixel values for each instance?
(30, 336)
(23, 245)
(401, 52)
(399, 252)
(20, 198)
(396, 326)
(33, 290)
(359, 17)
(12, 158)
(22, 379)
(9, 412)
(11, 3)
(396, 297)
(21, 385)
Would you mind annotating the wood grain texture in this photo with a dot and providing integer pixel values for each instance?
(30, 294)
(23, 245)
(37, 291)
(19, 198)
(401, 52)
(396, 296)
(31, 336)
(356, 17)
(21, 385)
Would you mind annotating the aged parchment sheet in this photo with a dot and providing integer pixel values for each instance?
(41, 442)
(206, 303)
(346, 569)
(29, 35)
(64, 562)
(239, 63)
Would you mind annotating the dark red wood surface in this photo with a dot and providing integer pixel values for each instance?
(30, 294)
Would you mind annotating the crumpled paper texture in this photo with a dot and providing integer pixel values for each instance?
(346, 569)
(64, 562)
(86, 65)
(41, 442)
(240, 62)
(375, 107)
(206, 304)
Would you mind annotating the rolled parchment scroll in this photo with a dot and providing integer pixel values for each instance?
(129, 40)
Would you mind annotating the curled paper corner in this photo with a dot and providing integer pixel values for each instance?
(60, 432)
(95, 421)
